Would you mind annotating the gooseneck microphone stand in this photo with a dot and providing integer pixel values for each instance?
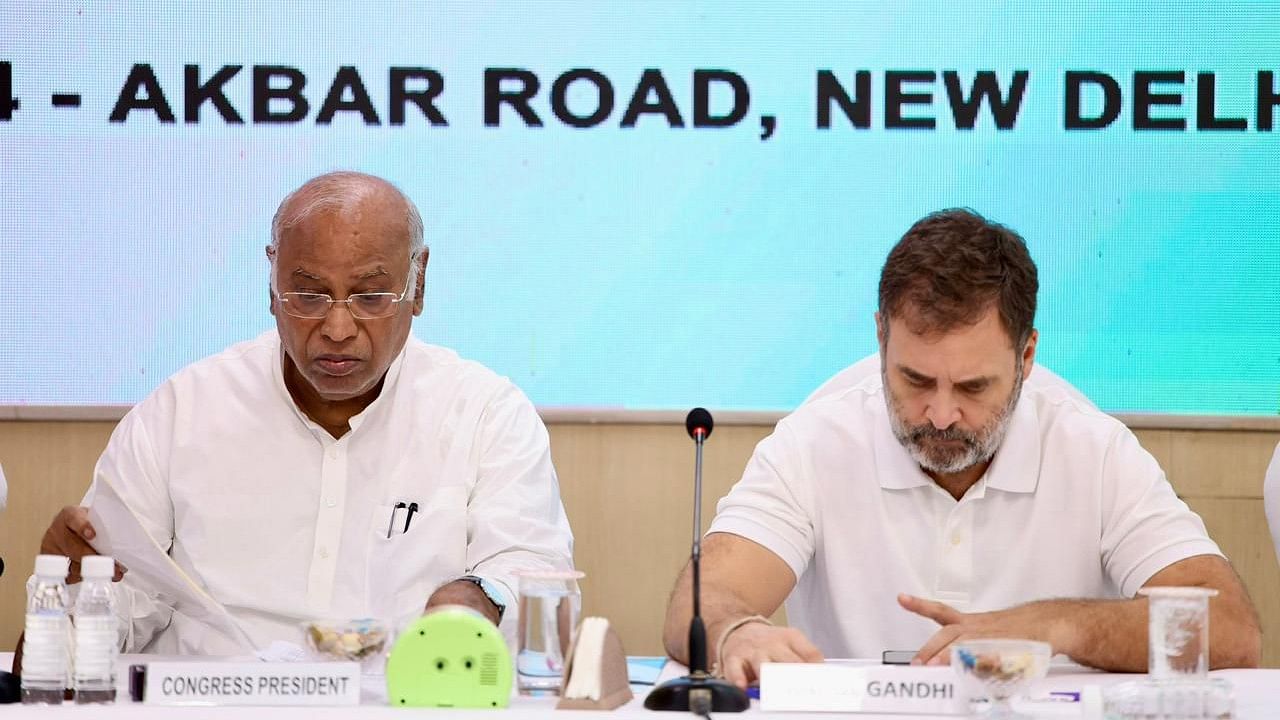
(699, 691)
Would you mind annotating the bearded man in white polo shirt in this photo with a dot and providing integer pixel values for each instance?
(941, 499)
(335, 466)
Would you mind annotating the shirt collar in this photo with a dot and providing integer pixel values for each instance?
(1015, 467)
(389, 383)
(893, 463)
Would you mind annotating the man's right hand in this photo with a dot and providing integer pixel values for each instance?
(753, 644)
(70, 535)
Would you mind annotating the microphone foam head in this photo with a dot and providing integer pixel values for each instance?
(698, 419)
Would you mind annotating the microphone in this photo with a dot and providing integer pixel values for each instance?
(698, 424)
(698, 691)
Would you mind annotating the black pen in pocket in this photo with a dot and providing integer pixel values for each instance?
(413, 508)
(392, 522)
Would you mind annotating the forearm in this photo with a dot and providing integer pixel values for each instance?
(1105, 634)
(721, 607)
(1112, 635)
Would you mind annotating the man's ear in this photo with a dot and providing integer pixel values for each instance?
(420, 293)
(271, 269)
(882, 331)
(1029, 353)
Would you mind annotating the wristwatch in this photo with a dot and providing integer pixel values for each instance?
(490, 591)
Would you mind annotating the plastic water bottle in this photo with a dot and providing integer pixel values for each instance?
(44, 653)
(97, 642)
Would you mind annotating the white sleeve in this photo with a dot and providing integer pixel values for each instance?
(771, 505)
(515, 519)
(4, 490)
(1271, 498)
(1145, 526)
(134, 465)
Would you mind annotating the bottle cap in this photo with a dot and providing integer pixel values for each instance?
(97, 566)
(52, 566)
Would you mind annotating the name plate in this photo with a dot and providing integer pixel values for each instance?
(251, 683)
(835, 687)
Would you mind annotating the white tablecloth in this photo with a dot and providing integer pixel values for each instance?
(1257, 698)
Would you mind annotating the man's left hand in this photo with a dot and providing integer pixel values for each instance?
(1025, 622)
(467, 594)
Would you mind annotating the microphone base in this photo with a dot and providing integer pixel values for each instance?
(675, 694)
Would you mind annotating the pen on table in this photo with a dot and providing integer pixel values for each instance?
(413, 508)
(392, 522)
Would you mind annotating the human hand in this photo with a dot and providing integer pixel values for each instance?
(756, 643)
(1027, 622)
(466, 594)
(70, 534)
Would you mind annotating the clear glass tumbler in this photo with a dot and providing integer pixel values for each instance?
(1178, 633)
(550, 604)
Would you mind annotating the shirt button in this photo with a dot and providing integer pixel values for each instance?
(324, 553)
(333, 453)
(955, 539)
(330, 503)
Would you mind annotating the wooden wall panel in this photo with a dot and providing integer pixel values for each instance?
(628, 490)
(1221, 464)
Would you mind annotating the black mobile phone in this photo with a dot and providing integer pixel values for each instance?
(897, 657)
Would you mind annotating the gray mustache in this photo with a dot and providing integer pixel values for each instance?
(952, 433)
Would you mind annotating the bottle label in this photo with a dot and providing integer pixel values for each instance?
(44, 652)
(96, 647)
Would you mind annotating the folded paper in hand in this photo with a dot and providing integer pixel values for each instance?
(119, 532)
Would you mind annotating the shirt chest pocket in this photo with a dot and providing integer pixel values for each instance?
(406, 565)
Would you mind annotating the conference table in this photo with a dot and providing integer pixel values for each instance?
(1257, 694)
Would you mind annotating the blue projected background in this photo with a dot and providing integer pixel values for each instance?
(659, 265)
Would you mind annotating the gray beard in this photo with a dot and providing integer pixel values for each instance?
(976, 447)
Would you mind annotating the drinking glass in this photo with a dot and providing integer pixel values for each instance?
(550, 603)
(1178, 633)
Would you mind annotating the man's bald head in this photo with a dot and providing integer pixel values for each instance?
(344, 192)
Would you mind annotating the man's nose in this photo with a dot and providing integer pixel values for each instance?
(339, 324)
(943, 411)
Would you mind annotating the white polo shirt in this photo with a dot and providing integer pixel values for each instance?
(1271, 498)
(281, 522)
(1070, 507)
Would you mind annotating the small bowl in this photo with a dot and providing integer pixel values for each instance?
(1000, 669)
(362, 640)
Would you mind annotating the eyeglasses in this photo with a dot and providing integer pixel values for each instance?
(363, 306)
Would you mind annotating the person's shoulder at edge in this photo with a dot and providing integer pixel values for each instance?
(847, 411)
(261, 350)
(1063, 410)
(435, 363)
(216, 373)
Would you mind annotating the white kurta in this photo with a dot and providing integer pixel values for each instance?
(1071, 506)
(281, 522)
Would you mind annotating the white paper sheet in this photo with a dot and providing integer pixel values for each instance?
(150, 568)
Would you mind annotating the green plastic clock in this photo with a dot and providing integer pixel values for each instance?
(451, 657)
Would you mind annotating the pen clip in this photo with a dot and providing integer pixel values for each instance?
(392, 522)
(413, 508)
